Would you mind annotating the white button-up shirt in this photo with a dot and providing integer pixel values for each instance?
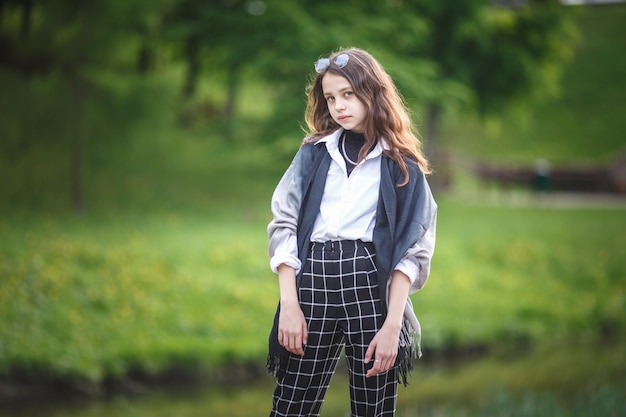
(348, 207)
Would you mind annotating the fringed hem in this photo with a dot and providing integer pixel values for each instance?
(406, 356)
(276, 365)
(409, 350)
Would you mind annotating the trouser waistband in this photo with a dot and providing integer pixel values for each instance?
(341, 245)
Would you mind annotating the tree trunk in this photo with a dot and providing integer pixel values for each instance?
(192, 54)
(76, 153)
(441, 170)
(78, 199)
(145, 58)
(432, 132)
(231, 101)
(27, 13)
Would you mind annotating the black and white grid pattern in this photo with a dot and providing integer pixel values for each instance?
(340, 301)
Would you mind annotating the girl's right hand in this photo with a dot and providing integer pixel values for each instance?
(292, 328)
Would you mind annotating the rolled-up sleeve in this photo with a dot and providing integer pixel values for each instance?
(416, 262)
(282, 230)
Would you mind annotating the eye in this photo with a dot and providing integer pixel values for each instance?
(330, 99)
(348, 94)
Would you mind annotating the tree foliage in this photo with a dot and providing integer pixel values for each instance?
(487, 58)
(469, 54)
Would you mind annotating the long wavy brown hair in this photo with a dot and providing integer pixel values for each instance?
(388, 117)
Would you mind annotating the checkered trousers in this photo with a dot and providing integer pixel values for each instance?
(340, 300)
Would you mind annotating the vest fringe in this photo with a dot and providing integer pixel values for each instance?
(276, 365)
(408, 351)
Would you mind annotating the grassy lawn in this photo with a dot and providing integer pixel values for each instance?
(97, 296)
(505, 275)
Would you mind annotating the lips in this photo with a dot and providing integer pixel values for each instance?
(343, 118)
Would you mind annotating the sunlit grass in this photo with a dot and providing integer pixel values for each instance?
(97, 300)
(530, 273)
(99, 296)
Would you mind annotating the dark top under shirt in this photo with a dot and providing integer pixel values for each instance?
(353, 143)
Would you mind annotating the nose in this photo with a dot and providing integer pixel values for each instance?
(340, 104)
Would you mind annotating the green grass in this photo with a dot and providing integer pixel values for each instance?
(505, 275)
(96, 296)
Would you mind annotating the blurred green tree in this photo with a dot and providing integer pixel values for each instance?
(475, 54)
(470, 54)
(270, 37)
(486, 57)
(67, 43)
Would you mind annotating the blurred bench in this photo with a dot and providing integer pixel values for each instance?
(610, 178)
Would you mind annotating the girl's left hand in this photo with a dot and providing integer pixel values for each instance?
(384, 348)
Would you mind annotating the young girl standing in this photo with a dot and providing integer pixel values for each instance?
(352, 236)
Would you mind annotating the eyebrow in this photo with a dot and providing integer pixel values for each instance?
(340, 91)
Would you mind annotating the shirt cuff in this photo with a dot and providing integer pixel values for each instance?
(277, 260)
(286, 253)
(409, 267)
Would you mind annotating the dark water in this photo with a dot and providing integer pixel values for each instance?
(253, 399)
(585, 381)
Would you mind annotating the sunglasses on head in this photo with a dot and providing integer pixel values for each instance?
(340, 60)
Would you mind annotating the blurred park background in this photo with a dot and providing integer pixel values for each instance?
(140, 142)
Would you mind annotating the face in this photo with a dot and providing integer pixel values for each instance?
(344, 106)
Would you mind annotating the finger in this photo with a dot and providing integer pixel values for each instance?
(301, 346)
(391, 362)
(381, 364)
(286, 342)
(388, 363)
(375, 369)
(370, 352)
(298, 347)
(293, 343)
(305, 333)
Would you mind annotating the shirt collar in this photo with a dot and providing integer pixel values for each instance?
(332, 142)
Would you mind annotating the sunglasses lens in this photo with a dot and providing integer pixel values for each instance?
(322, 64)
(342, 60)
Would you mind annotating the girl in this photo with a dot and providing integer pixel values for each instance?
(352, 235)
